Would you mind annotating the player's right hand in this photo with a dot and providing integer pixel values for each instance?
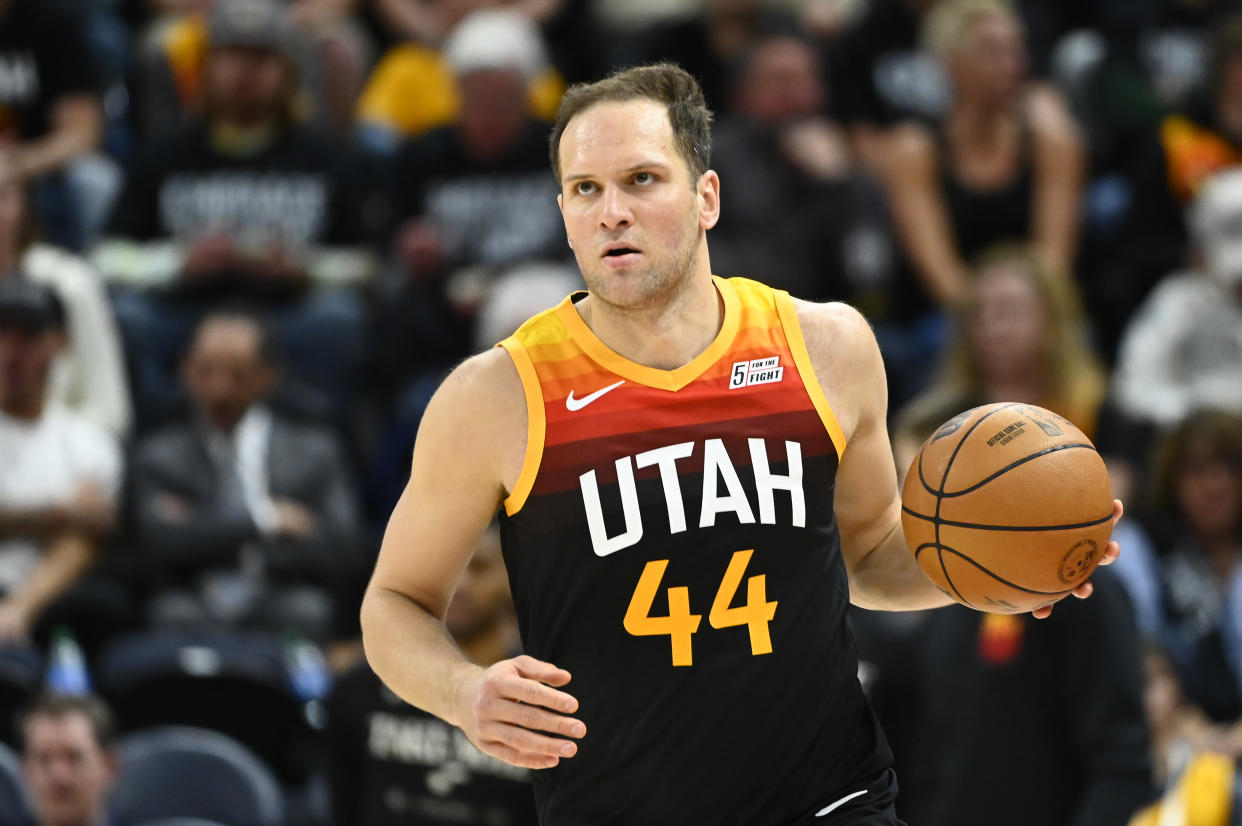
(513, 712)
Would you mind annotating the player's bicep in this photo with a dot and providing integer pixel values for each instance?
(866, 499)
(453, 493)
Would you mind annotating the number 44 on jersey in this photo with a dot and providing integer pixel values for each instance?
(680, 625)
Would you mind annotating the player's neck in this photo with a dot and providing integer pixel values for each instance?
(667, 335)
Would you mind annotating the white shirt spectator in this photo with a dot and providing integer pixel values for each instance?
(1182, 351)
(89, 376)
(45, 463)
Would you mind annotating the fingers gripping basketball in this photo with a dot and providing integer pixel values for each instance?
(1007, 507)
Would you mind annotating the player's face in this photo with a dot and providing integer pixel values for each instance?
(68, 772)
(635, 219)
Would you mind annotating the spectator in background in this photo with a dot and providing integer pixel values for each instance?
(1186, 149)
(61, 473)
(1196, 781)
(89, 376)
(469, 199)
(1183, 348)
(247, 203)
(246, 516)
(1006, 162)
(414, 89)
(1197, 521)
(708, 43)
(805, 206)
(395, 765)
(333, 55)
(881, 77)
(1041, 720)
(1020, 336)
(69, 759)
(50, 112)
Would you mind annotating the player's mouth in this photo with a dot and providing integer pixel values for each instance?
(620, 255)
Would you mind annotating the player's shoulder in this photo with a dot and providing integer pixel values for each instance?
(845, 358)
(483, 382)
(833, 325)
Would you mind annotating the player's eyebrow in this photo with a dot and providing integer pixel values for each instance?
(638, 167)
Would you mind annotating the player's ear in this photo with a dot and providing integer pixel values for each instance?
(708, 190)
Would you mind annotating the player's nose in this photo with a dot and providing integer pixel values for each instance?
(614, 209)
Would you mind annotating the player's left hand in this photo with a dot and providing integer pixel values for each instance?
(1111, 552)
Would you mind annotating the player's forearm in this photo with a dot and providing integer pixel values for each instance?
(410, 650)
(888, 579)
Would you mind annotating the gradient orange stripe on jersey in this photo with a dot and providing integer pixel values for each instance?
(556, 354)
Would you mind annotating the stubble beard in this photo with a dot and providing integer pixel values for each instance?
(655, 287)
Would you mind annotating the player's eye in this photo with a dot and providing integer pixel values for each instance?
(584, 187)
(644, 178)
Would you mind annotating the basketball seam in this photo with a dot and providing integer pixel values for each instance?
(939, 494)
(1019, 463)
(999, 578)
(982, 527)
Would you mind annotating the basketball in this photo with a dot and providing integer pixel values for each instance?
(1007, 508)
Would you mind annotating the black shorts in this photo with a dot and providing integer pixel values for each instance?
(872, 805)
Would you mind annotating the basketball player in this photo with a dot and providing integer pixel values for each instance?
(696, 479)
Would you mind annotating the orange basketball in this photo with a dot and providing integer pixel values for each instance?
(1007, 507)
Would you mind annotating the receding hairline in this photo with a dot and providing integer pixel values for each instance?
(642, 164)
(647, 99)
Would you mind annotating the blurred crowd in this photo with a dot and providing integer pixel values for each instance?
(241, 242)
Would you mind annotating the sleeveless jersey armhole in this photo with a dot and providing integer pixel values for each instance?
(788, 314)
(536, 425)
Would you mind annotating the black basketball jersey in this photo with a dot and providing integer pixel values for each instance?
(671, 542)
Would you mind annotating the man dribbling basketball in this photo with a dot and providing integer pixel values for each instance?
(696, 480)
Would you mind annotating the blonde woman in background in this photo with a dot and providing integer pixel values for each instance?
(1006, 162)
(1021, 337)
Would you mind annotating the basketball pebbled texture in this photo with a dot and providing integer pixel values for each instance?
(1007, 507)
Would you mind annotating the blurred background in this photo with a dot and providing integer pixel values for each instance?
(242, 241)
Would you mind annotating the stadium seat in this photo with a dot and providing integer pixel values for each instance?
(184, 772)
(21, 673)
(14, 802)
(236, 683)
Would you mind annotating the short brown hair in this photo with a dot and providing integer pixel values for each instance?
(665, 83)
(53, 704)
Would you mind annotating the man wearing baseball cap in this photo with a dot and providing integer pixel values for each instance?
(248, 204)
(61, 474)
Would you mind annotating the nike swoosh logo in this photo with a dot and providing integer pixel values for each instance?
(832, 806)
(574, 405)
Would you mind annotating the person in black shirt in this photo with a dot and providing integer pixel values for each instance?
(246, 203)
(807, 204)
(50, 112)
(395, 765)
(468, 200)
(1042, 721)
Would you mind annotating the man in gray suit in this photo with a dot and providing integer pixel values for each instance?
(247, 516)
